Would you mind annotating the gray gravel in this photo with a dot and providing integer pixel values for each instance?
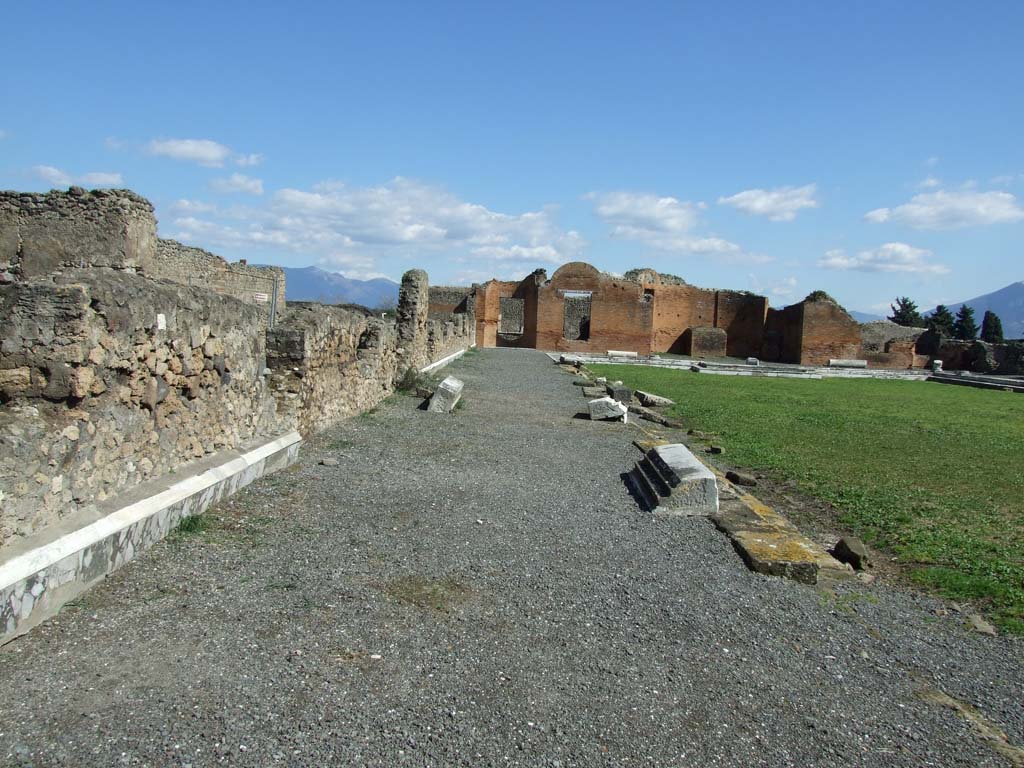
(479, 589)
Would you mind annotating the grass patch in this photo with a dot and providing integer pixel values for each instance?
(193, 524)
(437, 595)
(932, 473)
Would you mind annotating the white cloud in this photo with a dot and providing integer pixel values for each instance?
(192, 206)
(238, 182)
(952, 210)
(932, 161)
(51, 175)
(201, 151)
(101, 179)
(664, 223)
(59, 178)
(782, 288)
(350, 228)
(3, 135)
(929, 182)
(890, 257)
(1006, 179)
(247, 161)
(779, 204)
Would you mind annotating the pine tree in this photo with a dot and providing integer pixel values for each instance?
(965, 327)
(941, 321)
(904, 312)
(991, 328)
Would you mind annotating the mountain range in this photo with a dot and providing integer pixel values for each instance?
(1007, 302)
(315, 284)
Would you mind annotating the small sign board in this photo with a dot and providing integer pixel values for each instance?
(262, 298)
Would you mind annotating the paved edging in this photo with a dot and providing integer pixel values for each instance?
(36, 583)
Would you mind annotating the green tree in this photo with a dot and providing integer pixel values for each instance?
(991, 328)
(904, 312)
(941, 321)
(965, 327)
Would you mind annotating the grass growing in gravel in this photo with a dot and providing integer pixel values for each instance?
(194, 524)
(436, 594)
(933, 473)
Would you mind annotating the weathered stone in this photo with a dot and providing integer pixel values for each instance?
(714, 449)
(13, 381)
(739, 478)
(605, 408)
(653, 401)
(329, 462)
(619, 392)
(851, 550)
(847, 363)
(447, 394)
(753, 361)
(694, 487)
(980, 625)
(592, 392)
(154, 393)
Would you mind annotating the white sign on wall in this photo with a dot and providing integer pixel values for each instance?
(262, 298)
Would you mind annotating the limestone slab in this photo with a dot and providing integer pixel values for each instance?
(604, 408)
(694, 486)
(446, 395)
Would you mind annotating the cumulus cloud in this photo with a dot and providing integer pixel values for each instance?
(60, 178)
(184, 206)
(890, 257)
(349, 228)
(781, 288)
(247, 161)
(946, 209)
(664, 223)
(238, 182)
(202, 151)
(779, 204)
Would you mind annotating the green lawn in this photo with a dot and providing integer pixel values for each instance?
(933, 473)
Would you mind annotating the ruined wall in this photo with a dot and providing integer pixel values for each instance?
(446, 299)
(108, 379)
(679, 307)
(621, 314)
(45, 233)
(828, 332)
(121, 372)
(264, 287)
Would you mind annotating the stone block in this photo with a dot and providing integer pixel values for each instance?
(621, 353)
(851, 550)
(653, 401)
(753, 361)
(446, 396)
(619, 392)
(694, 486)
(604, 408)
(845, 362)
(593, 392)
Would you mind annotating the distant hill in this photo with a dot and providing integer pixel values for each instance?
(1007, 302)
(315, 284)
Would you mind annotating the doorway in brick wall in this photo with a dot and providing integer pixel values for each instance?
(576, 318)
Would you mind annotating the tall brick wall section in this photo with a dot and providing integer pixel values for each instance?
(704, 342)
(445, 299)
(621, 314)
(680, 307)
(827, 332)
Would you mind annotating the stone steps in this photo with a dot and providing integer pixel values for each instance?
(670, 479)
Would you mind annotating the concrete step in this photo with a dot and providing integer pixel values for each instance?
(642, 489)
(659, 488)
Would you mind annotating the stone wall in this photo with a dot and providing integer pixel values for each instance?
(446, 299)
(124, 370)
(45, 233)
(511, 310)
(108, 379)
(705, 342)
(263, 287)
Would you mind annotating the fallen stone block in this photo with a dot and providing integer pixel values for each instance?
(446, 396)
(777, 553)
(694, 487)
(593, 392)
(714, 449)
(604, 408)
(739, 478)
(620, 353)
(753, 361)
(653, 401)
(851, 550)
(619, 392)
(647, 413)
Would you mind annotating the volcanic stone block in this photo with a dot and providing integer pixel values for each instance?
(620, 393)
(606, 408)
(446, 396)
(694, 487)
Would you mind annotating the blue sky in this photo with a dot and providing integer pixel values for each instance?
(870, 149)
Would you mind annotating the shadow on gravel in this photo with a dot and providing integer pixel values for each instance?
(627, 480)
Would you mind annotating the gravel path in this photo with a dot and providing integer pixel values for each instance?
(480, 590)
